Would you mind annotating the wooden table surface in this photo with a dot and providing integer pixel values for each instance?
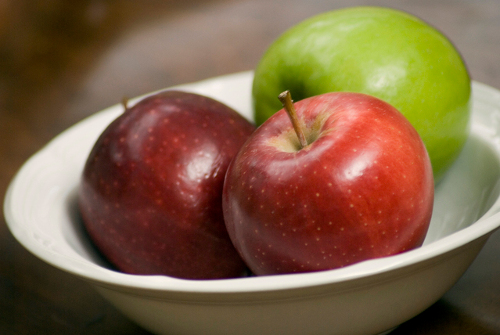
(61, 61)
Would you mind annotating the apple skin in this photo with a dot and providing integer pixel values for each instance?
(381, 52)
(151, 190)
(361, 189)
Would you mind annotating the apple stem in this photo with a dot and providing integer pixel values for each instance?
(286, 100)
(125, 103)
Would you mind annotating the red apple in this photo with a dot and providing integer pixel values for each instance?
(151, 190)
(360, 188)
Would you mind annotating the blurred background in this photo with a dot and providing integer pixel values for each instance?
(61, 61)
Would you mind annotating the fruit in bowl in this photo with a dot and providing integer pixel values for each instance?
(151, 190)
(349, 179)
(383, 52)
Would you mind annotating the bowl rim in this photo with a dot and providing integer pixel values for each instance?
(96, 274)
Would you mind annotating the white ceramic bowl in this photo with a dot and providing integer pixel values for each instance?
(366, 298)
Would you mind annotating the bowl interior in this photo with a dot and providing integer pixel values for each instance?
(468, 192)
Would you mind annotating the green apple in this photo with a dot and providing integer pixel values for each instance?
(382, 52)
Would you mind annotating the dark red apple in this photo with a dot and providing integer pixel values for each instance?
(151, 190)
(360, 188)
